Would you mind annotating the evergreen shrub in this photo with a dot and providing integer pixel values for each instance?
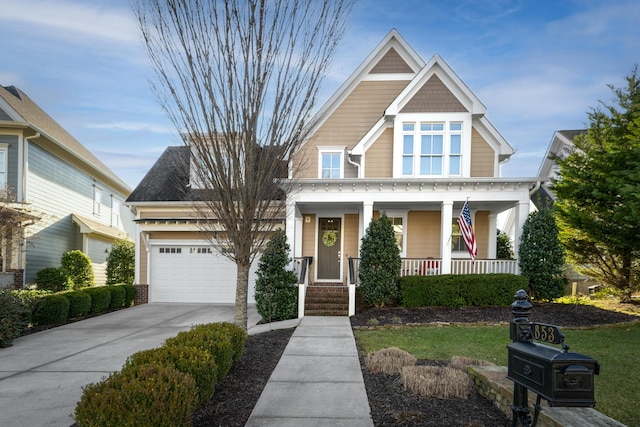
(380, 264)
(218, 343)
(449, 290)
(118, 295)
(14, 317)
(130, 294)
(79, 267)
(53, 279)
(189, 360)
(79, 303)
(51, 309)
(100, 299)
(276, 293)
(121, 262)
(142, 396)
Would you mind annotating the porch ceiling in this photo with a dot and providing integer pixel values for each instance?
(354, 207)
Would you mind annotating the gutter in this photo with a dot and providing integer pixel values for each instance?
(357, 165)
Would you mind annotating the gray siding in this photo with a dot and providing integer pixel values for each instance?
(57, 189)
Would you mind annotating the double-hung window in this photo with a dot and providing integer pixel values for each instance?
(330, 163)
(432, 148)
(97, 200)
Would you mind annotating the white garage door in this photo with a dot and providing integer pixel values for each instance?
(194, 273)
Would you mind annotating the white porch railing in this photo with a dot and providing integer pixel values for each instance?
(433, 266)
(484, 266)
(301, 268)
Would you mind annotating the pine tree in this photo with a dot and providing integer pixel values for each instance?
(380, 264)
(598, 193)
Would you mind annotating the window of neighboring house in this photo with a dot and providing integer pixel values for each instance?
(115, 212)
(432, 148)
(97, 200)
(3, 168)
(331, 164)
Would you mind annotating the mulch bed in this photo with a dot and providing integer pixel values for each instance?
(238, 393)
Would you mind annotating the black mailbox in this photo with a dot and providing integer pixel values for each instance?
(561, 377)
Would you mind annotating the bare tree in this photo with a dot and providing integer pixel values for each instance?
(239, 80)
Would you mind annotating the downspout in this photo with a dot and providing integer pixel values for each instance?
(535, 188)
(357, 165)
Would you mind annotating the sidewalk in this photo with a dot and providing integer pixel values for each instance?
(318, 380)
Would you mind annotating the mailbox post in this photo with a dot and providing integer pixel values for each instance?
(561, 377)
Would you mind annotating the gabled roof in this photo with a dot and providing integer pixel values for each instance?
(407, 65)
(561, 141)
(392, 45)
(27, 114)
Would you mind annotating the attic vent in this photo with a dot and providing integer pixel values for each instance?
(12, 90)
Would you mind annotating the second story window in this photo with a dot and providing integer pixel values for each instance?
(431, 149)
(330, 164)
(97, 201)
(115, 212)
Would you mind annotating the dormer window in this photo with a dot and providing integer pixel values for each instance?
(330, 163)
(431, 148)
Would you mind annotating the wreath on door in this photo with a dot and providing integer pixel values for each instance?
(329, 238)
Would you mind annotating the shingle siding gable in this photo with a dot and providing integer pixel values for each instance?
(391, 63)
(434, 97)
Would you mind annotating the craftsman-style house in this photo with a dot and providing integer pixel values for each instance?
(401, 136)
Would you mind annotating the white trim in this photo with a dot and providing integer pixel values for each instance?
(4, 149)
(331, 150)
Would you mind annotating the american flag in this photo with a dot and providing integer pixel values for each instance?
(466, 228)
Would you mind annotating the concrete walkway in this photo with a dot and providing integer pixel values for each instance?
(318, 380)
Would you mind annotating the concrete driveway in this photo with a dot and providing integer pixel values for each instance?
(41, 375)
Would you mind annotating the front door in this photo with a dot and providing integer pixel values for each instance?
(329, 244)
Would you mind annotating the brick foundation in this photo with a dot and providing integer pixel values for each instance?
(142, 294)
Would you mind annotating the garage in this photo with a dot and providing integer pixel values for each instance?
(193, 273)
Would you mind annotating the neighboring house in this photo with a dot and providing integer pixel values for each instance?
(66, 197)
(400, 136)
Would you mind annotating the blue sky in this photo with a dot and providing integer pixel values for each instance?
(538, 66)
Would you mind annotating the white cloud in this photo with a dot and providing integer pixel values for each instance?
(131, 126)
(72, 20)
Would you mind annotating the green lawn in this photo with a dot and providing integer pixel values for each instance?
(617, 388)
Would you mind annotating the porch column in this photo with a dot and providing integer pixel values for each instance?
(445, 236)
(367, 215)
(293, 222)
(522, 213)
(493, 236)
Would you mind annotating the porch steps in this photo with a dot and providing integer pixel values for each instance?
(327, 300)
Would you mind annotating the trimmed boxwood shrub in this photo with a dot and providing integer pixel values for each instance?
(215, 343)
(118, 295)
(53, 279)
(79, 303)
(100, 299)
(188, 360)
(14, 317)
(130, 294)
(51, 309)
(237, 335)
(143, 396)
(450, 290)
(79, 268)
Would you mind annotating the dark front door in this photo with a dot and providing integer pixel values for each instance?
(329, 244)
